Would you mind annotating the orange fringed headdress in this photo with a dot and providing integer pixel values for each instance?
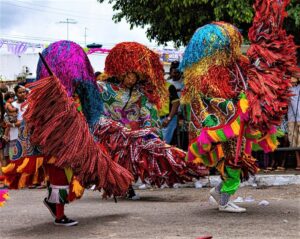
(129, 57)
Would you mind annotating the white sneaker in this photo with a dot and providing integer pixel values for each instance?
(135, 197)
(231, 207)
(143, 187)
(215, 195)
(198, 184)
(212, 201)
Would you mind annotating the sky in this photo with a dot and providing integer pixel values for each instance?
(39, 21)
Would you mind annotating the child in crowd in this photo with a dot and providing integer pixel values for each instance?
(11, 113)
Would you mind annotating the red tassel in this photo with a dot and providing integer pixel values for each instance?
(273, 57)
(61, 131)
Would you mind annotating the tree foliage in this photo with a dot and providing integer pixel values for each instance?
(176, 20)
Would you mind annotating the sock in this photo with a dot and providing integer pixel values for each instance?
(130, 192)
(224, 199)
(218, 187)
(60, 211)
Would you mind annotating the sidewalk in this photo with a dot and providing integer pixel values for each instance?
(288, 177)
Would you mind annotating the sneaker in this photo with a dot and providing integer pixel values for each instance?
(143, 186)
(231, 207)
(215, 195)
(65, 222)
(198, 184)
(135, 197)
(132, 195)
(51, 207)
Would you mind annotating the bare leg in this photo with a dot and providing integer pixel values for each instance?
(272, 158)
(266, 161)
(282, 164)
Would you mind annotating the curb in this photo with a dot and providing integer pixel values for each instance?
(254, 181)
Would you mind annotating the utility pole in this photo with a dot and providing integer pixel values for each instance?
(85, 36)
(68, 21)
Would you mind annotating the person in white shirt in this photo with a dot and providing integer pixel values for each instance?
(176, 80)
(176, 77)
(20, 92)
(294, 118)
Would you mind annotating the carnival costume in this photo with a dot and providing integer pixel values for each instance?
(3, 196)
(79, 145)
(133, 137)
(236, 101)
(69, 156)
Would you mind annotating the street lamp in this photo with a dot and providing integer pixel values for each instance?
(68, 21)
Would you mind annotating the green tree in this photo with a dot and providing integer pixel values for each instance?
(176, 20)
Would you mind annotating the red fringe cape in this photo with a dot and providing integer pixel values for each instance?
(61, 131)
(145, 155)
(273, 57)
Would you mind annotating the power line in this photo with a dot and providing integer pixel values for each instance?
(51, 11)
(46, 39)
(49, 40)
(33, 38)
(58, 9)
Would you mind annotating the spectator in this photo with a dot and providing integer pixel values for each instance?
(276, 160)
(11, 113)
(20, 92)
(176, 77)
(3, 88)
(2, 161)
(168, 114)
(280, 157)
(294, 119)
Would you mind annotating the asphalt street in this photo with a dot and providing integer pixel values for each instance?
(161, 213)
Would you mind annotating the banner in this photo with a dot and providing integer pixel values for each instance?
(19, 47)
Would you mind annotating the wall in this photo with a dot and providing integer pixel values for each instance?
(12, 65)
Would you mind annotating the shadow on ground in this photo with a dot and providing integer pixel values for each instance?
(85, 224)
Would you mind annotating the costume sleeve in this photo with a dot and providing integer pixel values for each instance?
(149, 116)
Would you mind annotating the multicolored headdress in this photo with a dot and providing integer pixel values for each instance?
(129, 57)
(211, 50)
(70, 64)
(214, 67)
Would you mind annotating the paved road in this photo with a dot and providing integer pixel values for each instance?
(163, 214)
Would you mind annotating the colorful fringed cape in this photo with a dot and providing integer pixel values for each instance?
(216, 73)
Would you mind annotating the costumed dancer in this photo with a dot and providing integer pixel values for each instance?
(133, 89)
(68, 152)
(236, 101)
